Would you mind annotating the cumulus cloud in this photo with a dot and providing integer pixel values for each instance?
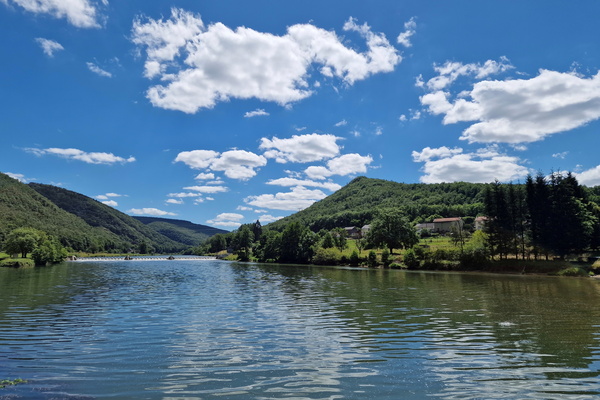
(450, 71)
(289, 182)
(348, 164)
(111, 203)
(49, 47)
(80, 13)
(184, 194)
(410, 29)
(155, 212)
(204, 176)
(266, 218)
(98, 71)
(201, 65)
(256, 113)
(517, 110)
(106, 196)
(561, 155)
(452, 165)
(227, 220)
(341, 123)
(174, 201)
(80, 155)
(590, 177)
(301, 148)
(205, 189)
(236, 164)
(19, 177)
(295, 200)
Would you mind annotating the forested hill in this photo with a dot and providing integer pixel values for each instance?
(21, 206)
(356, 203)
(181, 231)
(96, 214)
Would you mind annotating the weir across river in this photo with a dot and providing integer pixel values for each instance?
(143, 258)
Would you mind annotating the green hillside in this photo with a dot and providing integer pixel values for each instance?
(99, 215)
(181, 231)
(356, 203)
(21, 206)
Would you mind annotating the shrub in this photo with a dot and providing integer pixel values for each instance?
(385, 257)
(326, 257)
(354, 258)
(410, 259)
(473, 259)
(372, 259)
(572, 271)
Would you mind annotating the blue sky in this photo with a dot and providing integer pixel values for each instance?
(225, 112)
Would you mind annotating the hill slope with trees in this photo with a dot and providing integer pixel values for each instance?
(99, 215)
(21, 206)
(357, 203)
(181, 231)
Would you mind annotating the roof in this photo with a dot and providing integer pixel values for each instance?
(455, 219)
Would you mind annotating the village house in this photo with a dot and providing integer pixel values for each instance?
(444, 225)
(353, 232)
(480, 223)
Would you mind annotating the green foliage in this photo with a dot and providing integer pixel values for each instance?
(49, 251)
(23, 240)
(339, 238)
(410, 259)
(184, 232)
(358, 203)
(393, 230)
(7, 382)
(372, 259)
(17, 262)
(327, 241)
(354, 258)
(385, 258)
(326, 257)
(572, 271)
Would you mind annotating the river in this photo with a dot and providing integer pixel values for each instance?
(213, 329)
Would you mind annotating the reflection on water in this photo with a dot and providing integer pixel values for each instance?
(212, 329)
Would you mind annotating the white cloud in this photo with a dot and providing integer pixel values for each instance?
(295, 200)
(342, 123)
(450, 71)
(174, 201)
(266, 218)
(590, 177)
(256, 113)
(150, 211)
(348, 164)
(520, 110)
(289, 182)
(184, 194)
(204, 176)
(244, 208)
(301, 148)
(49, 46)
(236, 164)
(106, 196)
(98, 71)
(80, 13)
(203, 65)
(428, 153)
(452, 165)
(560, 155)
(111, 203)
(80, 155)
(410, 29)
(205, 189)
(19, 177)
(226, 219)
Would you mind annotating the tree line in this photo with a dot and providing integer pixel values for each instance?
(297, 243)
(547, 216)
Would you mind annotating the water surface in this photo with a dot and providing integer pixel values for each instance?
(212, 329)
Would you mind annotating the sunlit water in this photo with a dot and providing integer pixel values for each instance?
(213, 329)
